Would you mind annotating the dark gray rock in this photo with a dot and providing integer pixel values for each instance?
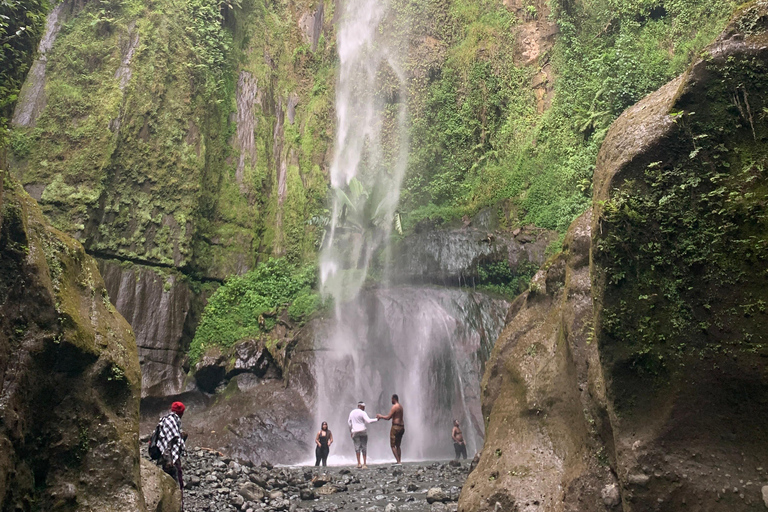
(452, 257)
(157, 306)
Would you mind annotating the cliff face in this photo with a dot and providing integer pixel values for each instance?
(679, 280)
(125, 129)
(653, 397)
(69, 373)
(543, 397)
(186, 143)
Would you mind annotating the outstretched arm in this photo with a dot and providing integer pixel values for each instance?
(371, 420)
(388, 416)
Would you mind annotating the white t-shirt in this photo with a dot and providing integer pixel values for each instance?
(358, 420)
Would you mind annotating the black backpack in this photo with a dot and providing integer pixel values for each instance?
(154, 450)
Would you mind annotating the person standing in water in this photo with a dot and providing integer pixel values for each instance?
(323, 440)
(398, 427)
(358, 428)
(459, 446)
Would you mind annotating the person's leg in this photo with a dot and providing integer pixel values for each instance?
(464, 450)
(398, 440)
(356, 439)
(364, 444)
(457, 450)
(180, 477)
(326, 450)
(317, 456)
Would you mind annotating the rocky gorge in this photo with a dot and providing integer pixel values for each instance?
(217, 482)
(611, 362)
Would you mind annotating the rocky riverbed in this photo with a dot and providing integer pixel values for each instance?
(215, 482)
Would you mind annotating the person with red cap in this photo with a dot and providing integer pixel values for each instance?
(171, 444)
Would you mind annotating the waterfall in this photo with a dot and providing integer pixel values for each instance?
(427, 345)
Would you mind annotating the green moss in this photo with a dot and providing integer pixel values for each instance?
(22, 23)
(684, 240)
(247, 306)
(479, 138)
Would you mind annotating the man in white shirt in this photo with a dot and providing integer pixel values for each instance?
(358, 422)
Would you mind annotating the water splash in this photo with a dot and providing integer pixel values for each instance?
(425, 344)
(366, 184)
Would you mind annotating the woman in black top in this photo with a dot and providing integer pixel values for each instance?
(323, 440)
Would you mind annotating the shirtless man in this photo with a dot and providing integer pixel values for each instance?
(459, 446)
(398, 427)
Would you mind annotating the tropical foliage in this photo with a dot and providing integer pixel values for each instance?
(250, 305)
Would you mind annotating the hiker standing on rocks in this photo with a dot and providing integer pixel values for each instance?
(323, 440)
(358, 428)
(171, 444)
(459, 446)
(398, 427)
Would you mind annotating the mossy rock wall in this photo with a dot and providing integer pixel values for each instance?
(543, 397)
(69, 373)
(176, 136)
(681, 277)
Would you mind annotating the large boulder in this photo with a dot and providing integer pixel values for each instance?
(680, 281)
(69, 373)
(641, 383)
(542, 397)
(161, 492)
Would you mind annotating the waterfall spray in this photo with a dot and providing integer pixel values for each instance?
(421, 343)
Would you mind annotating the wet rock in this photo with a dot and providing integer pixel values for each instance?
(540, 353)
(391, 507)
(438, 507)
(251, 492)
(307, 494)
(161, 493)
(437, 494)
(157, 305)
(320, 480)
(70, 371)
(453, 256)
(610, 495)
(764, 491)
(638, 479)
(210, 370)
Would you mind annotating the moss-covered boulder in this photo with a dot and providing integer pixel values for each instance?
(69, 373)
(680, 281)
(543, 397)
(161, 492)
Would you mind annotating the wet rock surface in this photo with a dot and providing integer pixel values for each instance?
(158, 308)
(451, 257)
(215, 482)
(69, 373)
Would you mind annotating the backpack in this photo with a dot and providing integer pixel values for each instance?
(154, 450)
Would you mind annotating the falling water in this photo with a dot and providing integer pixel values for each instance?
(425, 344)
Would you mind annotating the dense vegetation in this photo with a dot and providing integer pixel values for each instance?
(684, 237)
(480, 141)
(21, 26)
(251, 305)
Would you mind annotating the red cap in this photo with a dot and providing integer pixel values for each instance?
(178, 408)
